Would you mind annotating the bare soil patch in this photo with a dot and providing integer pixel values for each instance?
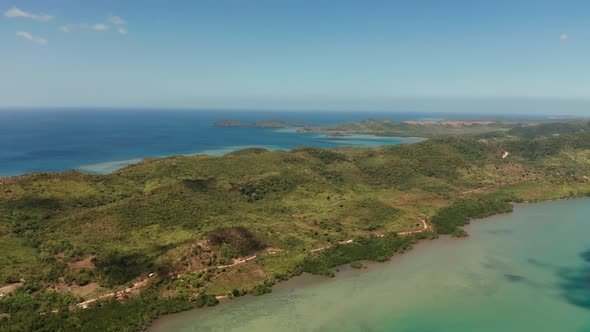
(10, 288)
(85, 263)
(86, 289)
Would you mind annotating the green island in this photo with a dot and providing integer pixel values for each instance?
(85, 252)
(261, 123)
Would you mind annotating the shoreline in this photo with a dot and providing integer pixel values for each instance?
(112, 166)
(243, 260)
(310, 280)
(222, 151)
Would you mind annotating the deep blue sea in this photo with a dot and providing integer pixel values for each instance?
(101, 141)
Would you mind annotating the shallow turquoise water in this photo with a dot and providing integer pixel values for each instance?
(527, 271)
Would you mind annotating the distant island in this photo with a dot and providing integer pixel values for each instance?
(262, 123)
(86, 252)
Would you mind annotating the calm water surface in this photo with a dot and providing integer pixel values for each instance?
(527, 271)
(101, 141)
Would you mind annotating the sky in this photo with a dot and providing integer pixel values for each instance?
(302, 54)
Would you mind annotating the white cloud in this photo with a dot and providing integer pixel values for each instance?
(564, 37)
(29, 36)
(68, 27)
(117, 23)
(116, 20)
(95, 27)
(15, 12)
(99, 27)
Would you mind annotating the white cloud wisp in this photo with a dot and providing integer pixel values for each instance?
(29, 36)
(14, 12)
(114, 21)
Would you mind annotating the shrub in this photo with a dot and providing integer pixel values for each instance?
(356, 265)
(206, 300)
(11, 279)
(261, 289)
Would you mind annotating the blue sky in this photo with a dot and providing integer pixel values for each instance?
(281, 54)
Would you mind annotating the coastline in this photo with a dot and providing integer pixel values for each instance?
(344, 271)
(137, 286)
(111, 166)
(310, 280)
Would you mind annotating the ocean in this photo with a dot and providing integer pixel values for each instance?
(101, 141)
(526, 271)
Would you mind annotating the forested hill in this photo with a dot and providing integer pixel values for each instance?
(544, 130)
(164, 228)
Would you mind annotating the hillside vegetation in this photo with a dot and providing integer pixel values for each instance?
(427, 129)
(173, 224)
(472, 129)
(550, 129)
